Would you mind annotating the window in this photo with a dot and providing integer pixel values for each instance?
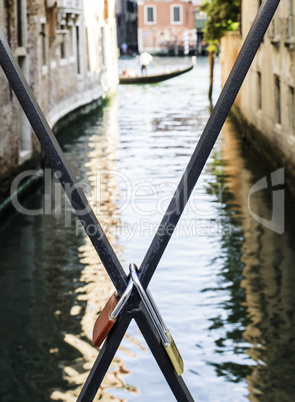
(102, 47)
(43, 39)
(291, 110)
(63, 47)
(150, 15)
(290, 19)
(290, 7)
(176, 14)
(277, 94)
(78, 50)
(71, 44)
(20, 21)
(87, 49)
(259, 91)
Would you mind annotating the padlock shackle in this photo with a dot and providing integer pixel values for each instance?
(157, 311)
(123, 300)
(148, 305)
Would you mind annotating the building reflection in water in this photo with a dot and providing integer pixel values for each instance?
(262, 282)
(238, 337)
(96, 286)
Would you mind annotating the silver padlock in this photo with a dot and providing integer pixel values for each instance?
(154, 313)
(123, 300)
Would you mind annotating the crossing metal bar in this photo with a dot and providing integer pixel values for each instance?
(74, 192)
(176, 383)
(134, 309)
(201, 153)
(110, 346)
(104, 358)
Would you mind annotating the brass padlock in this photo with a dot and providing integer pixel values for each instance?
(109, 315)
(163, 331)
(174, 354)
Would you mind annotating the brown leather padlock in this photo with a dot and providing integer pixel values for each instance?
(104, 321)
(109, 315)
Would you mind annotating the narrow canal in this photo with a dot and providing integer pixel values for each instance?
(225, 285)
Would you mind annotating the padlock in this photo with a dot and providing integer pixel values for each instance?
(171, 347)
(163, 331)
(109, 315)
(174, 354)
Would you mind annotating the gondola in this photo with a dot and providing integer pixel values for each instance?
(152, 79)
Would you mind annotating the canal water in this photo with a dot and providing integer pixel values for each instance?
(225, 285)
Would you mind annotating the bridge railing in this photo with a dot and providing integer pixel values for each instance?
(134, 308)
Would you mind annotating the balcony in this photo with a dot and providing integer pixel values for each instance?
(287, 25)
(70, 6)
(274, 31)
(282, 29)
(68, 12)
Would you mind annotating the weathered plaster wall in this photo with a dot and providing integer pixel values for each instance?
(260, 101)
(64, 72)
(230, 46)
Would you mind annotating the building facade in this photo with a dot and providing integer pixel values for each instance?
(68, 53)
(267, 97)
(200, 22)
(126, 16)
(166, 27)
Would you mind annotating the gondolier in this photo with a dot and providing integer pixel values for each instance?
(145, 59)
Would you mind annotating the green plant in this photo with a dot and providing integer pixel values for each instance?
(223, 16)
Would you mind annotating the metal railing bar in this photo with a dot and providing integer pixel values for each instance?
(60, 166)
(104, 359)
(176, 383)
(79, 202)
(111, 345)
(170, 219)
(207, 140)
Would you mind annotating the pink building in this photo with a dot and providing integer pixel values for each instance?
(166, 26)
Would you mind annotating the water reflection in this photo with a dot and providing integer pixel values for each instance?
(46, 347)
(266, 279)
(95, 285)
(224, 284)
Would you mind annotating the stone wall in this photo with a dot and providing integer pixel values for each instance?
(69, 57)
(274, 63)
(10, 157)
(267, 98)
